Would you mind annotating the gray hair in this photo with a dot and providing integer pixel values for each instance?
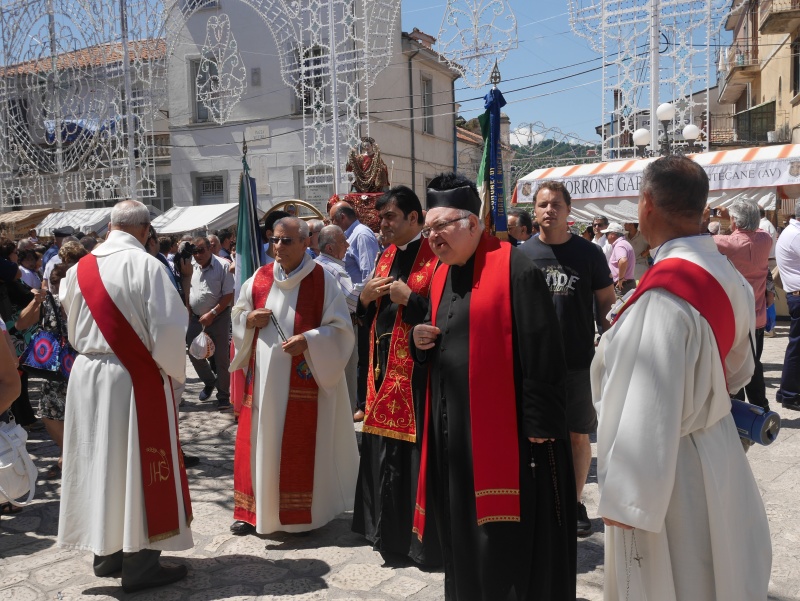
(213, 238)
(25, 244)
(745, 214)
(302, 226)
(327, 235)
(315, 225)
(130, 213)
(713, 227)
(464, 214)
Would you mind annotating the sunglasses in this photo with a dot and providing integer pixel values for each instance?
(199, 251)
(285, 241)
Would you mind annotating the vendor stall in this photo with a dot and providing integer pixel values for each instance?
(764, 175)
(82, 220)
(16, 224)
(179, 220)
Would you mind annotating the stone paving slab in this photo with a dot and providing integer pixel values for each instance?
(332, 562)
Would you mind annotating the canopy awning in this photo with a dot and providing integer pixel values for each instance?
(83, 220)
(200, 217)
(15, 224)
(612, 189)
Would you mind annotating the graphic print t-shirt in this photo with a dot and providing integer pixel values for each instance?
(574, 271)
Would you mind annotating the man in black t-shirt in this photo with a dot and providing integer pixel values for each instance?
(577, 274)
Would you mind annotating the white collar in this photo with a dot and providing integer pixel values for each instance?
(405, 246)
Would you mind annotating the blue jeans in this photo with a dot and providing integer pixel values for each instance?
(789, 391)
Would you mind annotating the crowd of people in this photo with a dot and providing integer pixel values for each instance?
(479, 369)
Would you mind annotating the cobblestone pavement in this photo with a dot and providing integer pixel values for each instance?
(332, 562)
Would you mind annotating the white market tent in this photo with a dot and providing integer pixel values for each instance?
(201, 217)
(82, 220)
(764, 175)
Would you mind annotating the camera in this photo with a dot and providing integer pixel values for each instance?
(715, 212)
(186, 250)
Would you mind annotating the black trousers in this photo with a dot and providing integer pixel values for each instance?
(363, 365)
(756, 390)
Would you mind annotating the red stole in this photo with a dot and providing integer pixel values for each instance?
(390, 410)
(492, 395)
(155, 448)
(298, 445)
(697, 287)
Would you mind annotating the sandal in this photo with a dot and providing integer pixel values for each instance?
(53, 472)
(9, 509)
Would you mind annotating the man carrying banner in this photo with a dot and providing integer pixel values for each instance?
(495, 466)
(296, 456)
(684, 516)
(392, 302)
(124, 494)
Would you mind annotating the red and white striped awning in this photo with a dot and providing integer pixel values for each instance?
(761, 174)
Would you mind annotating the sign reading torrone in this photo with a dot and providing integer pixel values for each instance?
(721, 177)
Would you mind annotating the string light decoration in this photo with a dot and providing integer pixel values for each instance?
(76, 90)
(654, 51)
(221, 77)
(475, 35)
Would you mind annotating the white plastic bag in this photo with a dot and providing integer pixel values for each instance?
(202, 346)
(17, 471)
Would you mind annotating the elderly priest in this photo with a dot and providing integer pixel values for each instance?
(496, 469)
(124, 494)
(296, 456)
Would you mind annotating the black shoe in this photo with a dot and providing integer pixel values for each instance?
(240, 528)
(223, 405)
(793, 405)
(206, 392)
(163, 577)
(190, 460)
(584, 525)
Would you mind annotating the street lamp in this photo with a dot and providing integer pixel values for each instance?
(665, 113)
(641, 138)
(690, 133)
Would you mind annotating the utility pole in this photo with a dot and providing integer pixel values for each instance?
(129, 122)
(654, 73)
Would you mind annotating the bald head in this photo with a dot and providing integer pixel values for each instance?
(343, 214)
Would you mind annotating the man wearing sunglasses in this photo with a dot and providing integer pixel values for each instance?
(296, 456)
(210, 297)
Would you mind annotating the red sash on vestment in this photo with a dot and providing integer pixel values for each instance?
(697, 287)
(390, 410)
(155, 448)
(492, 395)
(298, 445)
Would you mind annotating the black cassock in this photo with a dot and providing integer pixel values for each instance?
(388, 470)
(534, 559)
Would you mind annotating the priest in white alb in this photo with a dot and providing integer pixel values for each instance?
(296, 459)
(124, 494)
(684, 517)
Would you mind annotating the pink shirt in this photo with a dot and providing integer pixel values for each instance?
(622, 249)
(749, 253)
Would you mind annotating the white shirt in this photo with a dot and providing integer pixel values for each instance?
(56, 260)
(604, 245)
(766, 225)
(787, 254)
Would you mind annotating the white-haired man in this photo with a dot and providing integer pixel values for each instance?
(495, 445)
(296, 456)
(124, 486)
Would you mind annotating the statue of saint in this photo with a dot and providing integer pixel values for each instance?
(366, 164)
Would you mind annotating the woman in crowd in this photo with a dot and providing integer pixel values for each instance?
(28, 261)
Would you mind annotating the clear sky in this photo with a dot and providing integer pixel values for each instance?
(546, 42)
(548, 50)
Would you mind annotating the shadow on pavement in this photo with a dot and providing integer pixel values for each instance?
(238, 575)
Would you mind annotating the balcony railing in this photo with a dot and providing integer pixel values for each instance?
(741, 56)
(778, 16)
(161, 146)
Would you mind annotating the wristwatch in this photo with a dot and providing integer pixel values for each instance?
(214, 311)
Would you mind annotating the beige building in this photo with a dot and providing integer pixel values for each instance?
(760, 71)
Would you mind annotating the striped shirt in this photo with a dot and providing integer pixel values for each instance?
(336, 268)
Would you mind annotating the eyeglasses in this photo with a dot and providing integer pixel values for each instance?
(439, 227)
(285, 241)
(199, 251)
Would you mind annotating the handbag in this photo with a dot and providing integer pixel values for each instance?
(17, 471)
(49, 356)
